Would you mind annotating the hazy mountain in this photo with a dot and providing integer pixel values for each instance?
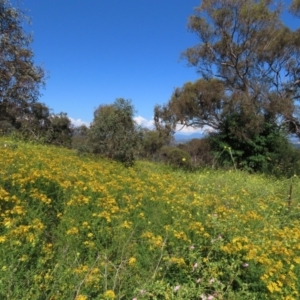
(296, 145)
(183, 138)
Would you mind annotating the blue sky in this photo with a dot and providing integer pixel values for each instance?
(98, 50)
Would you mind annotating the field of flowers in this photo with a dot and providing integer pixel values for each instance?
(84, 228)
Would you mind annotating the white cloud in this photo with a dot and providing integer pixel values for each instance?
(144, 122)
(141, 121)
(78, 122)
(187, 130)
(180, 129)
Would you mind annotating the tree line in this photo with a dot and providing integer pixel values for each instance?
(247, 94)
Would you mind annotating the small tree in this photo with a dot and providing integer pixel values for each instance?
(251, 152)
(60, 130)
(35, 124)
(200, 152)
(113, 131)
(20, 79)
(175, 157)
(152, 141)
(80, 139)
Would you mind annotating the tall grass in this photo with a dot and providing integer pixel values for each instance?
(86, 228)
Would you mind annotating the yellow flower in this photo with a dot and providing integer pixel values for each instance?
(73, 230)
(24, 258)
(180, 235)
(109, 294)
(177, 261)
(289, 298)
(30, 238)
(2, 239)
(273, 287)
(81, 269)
(183, 159)
(132, 261)
(297, 260)
(126, 224)
(7, 223)
(81, 297)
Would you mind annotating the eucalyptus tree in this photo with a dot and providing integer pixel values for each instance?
(20, 78)
(248, 61)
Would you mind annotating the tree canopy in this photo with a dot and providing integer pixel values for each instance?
(20, 78)
(113, 131)
(249, 64)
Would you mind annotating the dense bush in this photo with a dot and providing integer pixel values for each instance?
(80, 140)
(267, 151)
(113, 132)
(60, 131)
(175, 157)
(151, 141)
(200, 152)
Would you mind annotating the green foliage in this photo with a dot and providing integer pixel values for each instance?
(175, 157)
(113, 131)
(268, 151)
(151, 141)
(196, 104)
(36, 124)
(286, 160)
(240, 93)
(80, 139)
(295, 7)
(60, 130)
(200, 152)
(41, 126)
(6, 128)
(20, 79)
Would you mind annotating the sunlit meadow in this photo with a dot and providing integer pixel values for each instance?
(77, 227)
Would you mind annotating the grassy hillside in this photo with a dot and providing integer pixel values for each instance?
(82, 228)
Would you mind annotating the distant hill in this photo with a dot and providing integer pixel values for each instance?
(184, 138)
(296, 145)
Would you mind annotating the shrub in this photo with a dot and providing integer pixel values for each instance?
(268, 151)
(113, 132)
(200, 152)
(176, 157)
